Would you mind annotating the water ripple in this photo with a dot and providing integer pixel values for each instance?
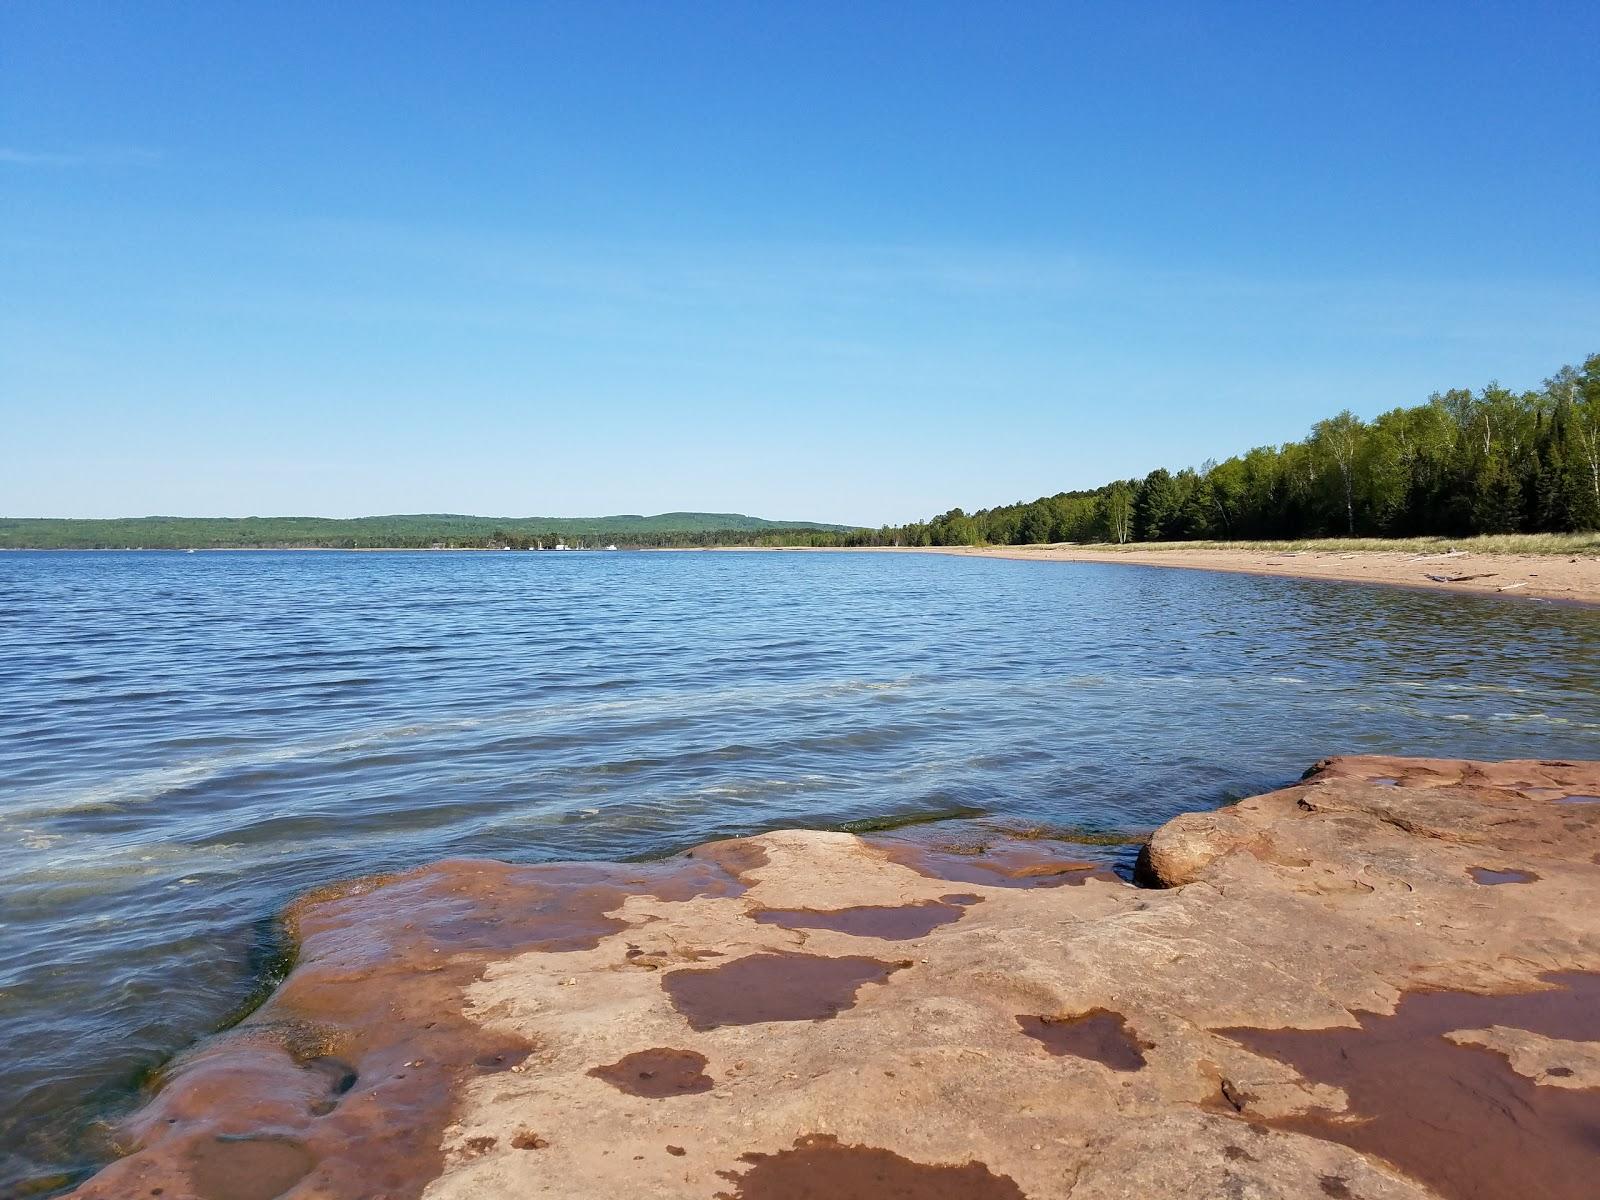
(187, 741)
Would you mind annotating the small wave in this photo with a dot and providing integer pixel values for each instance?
(142, 787)
(755, 789)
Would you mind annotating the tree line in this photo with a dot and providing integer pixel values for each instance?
(1465, 462)
(411, 532)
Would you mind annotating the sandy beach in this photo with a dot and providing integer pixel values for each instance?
(1535, 576)
(1573, 579)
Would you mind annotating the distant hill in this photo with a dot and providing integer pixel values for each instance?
(400, 532)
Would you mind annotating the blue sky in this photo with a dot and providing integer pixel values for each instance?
(854, 262)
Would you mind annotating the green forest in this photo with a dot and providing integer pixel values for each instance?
(1465, 462)
(414, 532)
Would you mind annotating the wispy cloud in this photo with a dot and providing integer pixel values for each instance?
(684, 272)
(100, 156)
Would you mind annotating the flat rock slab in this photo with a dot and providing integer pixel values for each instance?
(1382, 983)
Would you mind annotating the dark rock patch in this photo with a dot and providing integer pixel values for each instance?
(1099, 1035)
(1490, 876)
(1010, 862)
(1234, 1096)
(891, 922)
(779, 986)
(736, 856)
(657, 1073)
(1455, 1117)
(247, 1168)
(819, 1166)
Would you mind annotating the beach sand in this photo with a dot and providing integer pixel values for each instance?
(1573, 579)
(1534, 576)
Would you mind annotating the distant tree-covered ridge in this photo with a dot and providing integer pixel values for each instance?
(1485, 462)
(420, 531)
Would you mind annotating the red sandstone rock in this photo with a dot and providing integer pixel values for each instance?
(1331, 994)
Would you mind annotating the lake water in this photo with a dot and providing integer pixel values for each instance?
(189, 740)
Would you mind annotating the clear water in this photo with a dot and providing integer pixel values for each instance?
(188, 740)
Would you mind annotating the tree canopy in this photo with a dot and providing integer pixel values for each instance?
(1462, 463)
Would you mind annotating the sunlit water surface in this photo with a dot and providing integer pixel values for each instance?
(189, 740)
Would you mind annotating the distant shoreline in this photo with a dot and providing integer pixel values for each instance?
(276, 549)
(1552, 577)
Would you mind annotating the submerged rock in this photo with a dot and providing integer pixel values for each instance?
(1328, 992)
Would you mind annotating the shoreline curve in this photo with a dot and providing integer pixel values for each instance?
(1550, 578)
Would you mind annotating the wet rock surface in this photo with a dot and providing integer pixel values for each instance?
(1447, 1106)
(1098, 1035)
(1317, 997)
(1489, 875)
(657, 1073)
(782, 986)
(890, 922)
(819, 1166)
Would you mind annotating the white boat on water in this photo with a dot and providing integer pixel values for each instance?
(611, 547)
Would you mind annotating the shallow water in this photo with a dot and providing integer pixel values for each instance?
(188, 740)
